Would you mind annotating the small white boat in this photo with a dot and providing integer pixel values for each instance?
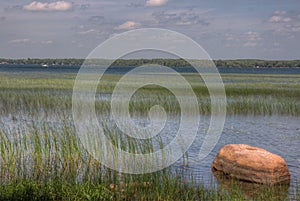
(45, 65)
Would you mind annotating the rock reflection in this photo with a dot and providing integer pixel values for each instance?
(251, 191)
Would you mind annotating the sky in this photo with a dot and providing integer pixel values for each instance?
(226, 29)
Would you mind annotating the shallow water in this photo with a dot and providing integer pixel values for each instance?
(277, 134)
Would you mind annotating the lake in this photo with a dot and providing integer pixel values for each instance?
(124, 69)
(279, 134)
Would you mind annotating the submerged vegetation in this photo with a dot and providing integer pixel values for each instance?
(45, 162)
(41, 159)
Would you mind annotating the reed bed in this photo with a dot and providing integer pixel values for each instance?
(45, 162)
(41, 157)
(246, 94)
(285, 103)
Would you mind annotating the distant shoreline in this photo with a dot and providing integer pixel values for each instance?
(238, 63)
(78, 65)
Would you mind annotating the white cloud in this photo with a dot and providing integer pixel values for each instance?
(292, 28)
(183, 17)
(278, 12)
(131, 4)
(128, 25)
(90, 31)
(285, 23)
(29, 41)
(54, 6)
(251, 39)
(296, 28)
(229, 37)
(278, 19)
(252, 36)
(22, 40)
(156, 2)
(250, 44)
(275, 18)
(286, 19)
(47, 42)
(246, 39)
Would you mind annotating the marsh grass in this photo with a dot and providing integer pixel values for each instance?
(41, 159)
(158, 188)
(246, 94)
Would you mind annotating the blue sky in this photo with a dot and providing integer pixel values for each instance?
(226, 29)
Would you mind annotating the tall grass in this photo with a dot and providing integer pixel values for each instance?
(18, 102)
(46, 163)
(259, 95)
(42, 159)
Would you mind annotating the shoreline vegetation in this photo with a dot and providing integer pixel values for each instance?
(246, 94)
(46, 162)
(237, 63)
(41, 159)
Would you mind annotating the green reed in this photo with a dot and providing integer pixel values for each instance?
(42, 159)
(246, 94)
(157, 188)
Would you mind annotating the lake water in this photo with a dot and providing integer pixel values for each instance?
(278, 134)
(124, 69)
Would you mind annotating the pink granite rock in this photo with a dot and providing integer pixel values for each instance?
(251, 164)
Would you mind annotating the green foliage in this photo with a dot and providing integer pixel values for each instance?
(246, 94)
(45, 162)
(240, 63)
(160, 188)
(254, 63)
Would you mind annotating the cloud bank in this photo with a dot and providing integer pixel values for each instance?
(128, 25)
(21, 40)
(180, 17)
(156, 2)
(285, 23)
(54, 6)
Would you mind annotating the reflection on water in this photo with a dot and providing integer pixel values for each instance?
(252, 190)
(277, 134)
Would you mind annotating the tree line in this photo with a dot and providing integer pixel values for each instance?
(240, 63)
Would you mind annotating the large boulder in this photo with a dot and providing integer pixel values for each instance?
(252, 164)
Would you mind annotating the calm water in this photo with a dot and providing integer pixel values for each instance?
(278, 134)
(122, 70)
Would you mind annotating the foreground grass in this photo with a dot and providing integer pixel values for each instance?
(166, 189)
